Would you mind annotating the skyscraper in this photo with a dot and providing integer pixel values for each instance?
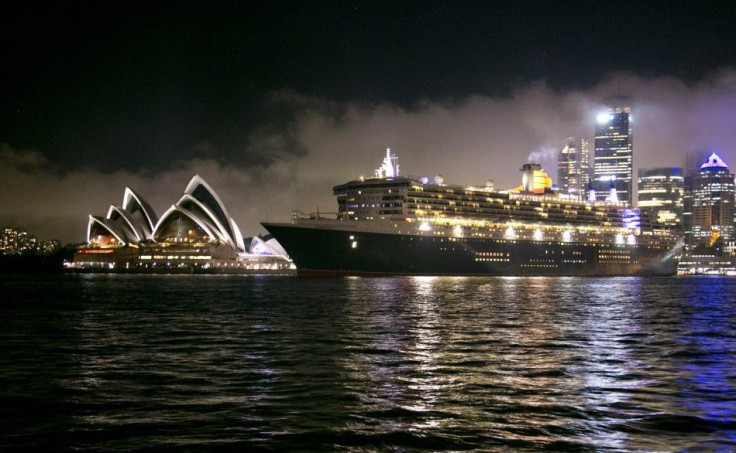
(692, 166)
(613, 162)
(712, 202)
(572, 167)
(660, 194)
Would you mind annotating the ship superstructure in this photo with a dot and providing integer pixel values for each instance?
(392, 224)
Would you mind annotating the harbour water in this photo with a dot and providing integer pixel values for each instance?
(207, 362)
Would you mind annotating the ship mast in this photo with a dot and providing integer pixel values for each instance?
(389, 167)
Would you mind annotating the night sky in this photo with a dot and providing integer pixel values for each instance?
(273, 103)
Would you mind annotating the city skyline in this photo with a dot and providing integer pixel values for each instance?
(274, 105)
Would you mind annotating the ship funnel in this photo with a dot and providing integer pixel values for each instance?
(591, 193)
(612, 194)
(534, 179)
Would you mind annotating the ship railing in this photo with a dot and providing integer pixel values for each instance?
(319, 215)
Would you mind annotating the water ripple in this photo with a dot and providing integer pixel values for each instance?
(120, 363)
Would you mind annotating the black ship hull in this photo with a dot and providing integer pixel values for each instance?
(331, 251)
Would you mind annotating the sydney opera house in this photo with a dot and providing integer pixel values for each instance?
(195, 234)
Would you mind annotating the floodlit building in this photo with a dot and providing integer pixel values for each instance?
(713, 203)
(572, 167)
(613, 161)
(195, 234)
(660, 195)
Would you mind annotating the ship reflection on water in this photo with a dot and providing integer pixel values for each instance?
(594, 361)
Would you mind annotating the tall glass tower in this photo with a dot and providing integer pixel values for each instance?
(572, 167)
(713, 202)
(660, 194)
(613, 161)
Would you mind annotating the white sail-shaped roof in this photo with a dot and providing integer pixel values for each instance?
(258, 247)
(200, 190)
(133, 229)
(136, 221)
(238, 236)
(274, 245)
(269, 246)
(205, 213)
(107, 225)
(206, 226)
(132, 202)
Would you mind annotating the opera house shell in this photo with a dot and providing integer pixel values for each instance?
(195, 231)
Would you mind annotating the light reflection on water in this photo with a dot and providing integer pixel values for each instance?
(124, 362)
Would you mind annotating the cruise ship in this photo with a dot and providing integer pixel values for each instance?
(399, 225)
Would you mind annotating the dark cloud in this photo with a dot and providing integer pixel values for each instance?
(139, 85)
(23, 161)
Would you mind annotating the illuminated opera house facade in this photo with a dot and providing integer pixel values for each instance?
(195, 234)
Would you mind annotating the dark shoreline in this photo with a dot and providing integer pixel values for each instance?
(11, 264)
